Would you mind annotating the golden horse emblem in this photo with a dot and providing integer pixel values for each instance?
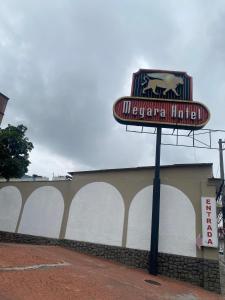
(166, 81)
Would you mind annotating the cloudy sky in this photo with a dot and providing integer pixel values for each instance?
(65, 62)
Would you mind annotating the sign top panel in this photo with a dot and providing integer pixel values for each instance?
(162, 84)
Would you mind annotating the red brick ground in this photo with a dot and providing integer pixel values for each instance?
(86, 277)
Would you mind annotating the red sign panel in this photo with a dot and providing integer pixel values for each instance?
(165, 113)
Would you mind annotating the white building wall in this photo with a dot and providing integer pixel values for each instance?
(96, 215)
(42, 213)
(10, 205)
(177, 233)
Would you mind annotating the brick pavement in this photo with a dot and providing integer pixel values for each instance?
(82, 277)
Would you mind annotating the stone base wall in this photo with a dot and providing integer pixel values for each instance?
(10, 237)
(198, 271)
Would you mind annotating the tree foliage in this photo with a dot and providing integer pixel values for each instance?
(14, 151)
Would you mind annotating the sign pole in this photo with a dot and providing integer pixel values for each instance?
(153, 256)
(223, 196)
(161, 99)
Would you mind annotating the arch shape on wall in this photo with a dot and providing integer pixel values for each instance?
(96, 215)
(177, 228)
(10, 206)
(43, 213)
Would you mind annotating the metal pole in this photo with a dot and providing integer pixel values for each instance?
(221, 159)
(223, 196)
(153, 256)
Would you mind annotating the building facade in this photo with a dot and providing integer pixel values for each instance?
(108, 213)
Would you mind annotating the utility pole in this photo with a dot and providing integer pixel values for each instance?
(153, 256)
(223, 196)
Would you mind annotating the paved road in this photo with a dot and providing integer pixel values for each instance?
(49, 272)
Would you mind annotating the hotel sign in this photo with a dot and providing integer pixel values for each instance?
(161, 99)
(162, 85)
(209, 222)
(157, 112)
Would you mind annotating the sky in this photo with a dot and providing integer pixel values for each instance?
(64, 63)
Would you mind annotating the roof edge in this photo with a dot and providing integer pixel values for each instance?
(4, 96)
(141, 168)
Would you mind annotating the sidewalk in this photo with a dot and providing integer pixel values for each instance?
(50, 272)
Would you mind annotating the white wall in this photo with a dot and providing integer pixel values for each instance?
(177, 234)
(10, 205)
(96, 215)
(43, 212)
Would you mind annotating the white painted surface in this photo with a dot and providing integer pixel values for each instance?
(96, 215)
(43, 212)
(10, 205)
(177, 233)
(209, 222)
(139, 220)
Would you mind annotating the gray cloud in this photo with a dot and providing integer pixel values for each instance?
(64, 63)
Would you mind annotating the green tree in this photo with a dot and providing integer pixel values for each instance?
(14, 151)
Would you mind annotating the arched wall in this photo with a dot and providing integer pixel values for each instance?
(43, 212)
(10, 205)
(177, 233)
(96, 215)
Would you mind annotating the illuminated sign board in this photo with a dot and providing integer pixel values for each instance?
(209, 222)
(162, 85)
(161, 99)
(165, 113)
